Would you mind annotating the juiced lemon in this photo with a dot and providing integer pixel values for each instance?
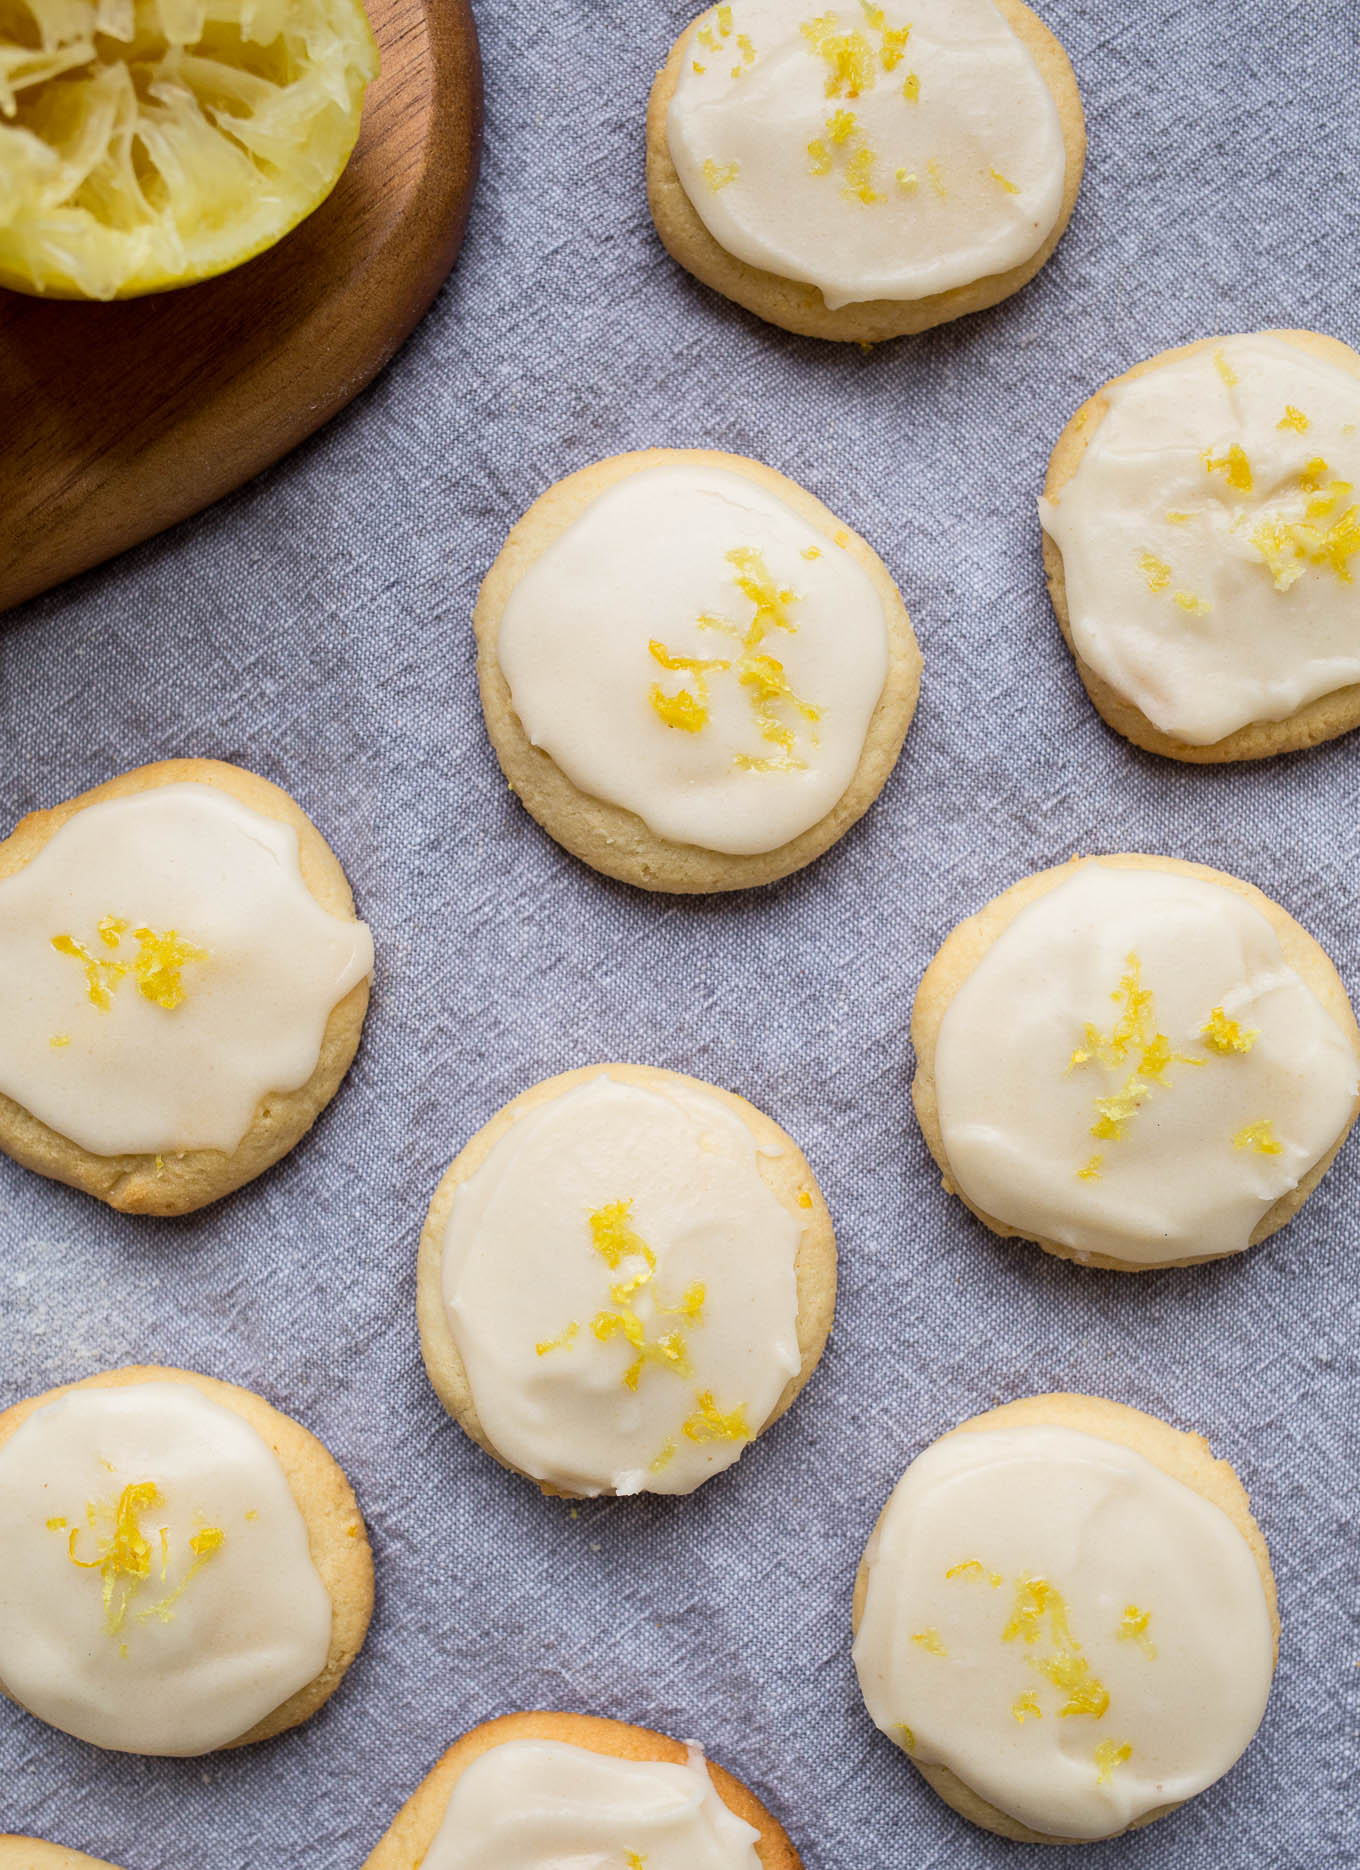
(148, 143)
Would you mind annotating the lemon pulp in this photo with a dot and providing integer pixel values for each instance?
(149, 143)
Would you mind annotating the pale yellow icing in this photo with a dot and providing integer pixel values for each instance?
(1211, 537)
(801, 137)
(1132, 1069)
(692, 650)
(163, 967)
(1108, 1650)
(619, 1281)
(545, 1805)
(158, 1592)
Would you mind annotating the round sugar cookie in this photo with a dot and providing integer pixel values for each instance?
(869, 173)
(182, 1567)
(1200, 531)
(694, 677)
(1066, 1618)
(18, 1853)
(513, 1785)
(183, 983)
(624, 1278)
(1134, 1062)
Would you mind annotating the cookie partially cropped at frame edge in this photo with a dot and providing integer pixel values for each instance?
(182, 1566)
(852, 176)
(183, 984)
(626, 1276)
(693, 675)
(1199, 530)
(692, 1816)
(20, 1853)
(1065, 1617)
(1134, 1062)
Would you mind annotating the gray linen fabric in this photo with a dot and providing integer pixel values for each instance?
(316, 628)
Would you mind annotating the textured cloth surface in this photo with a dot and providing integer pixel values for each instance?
(316, 627)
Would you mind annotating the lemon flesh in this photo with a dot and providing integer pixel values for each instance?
(149, 143)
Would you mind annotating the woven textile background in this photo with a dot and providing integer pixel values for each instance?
(316, 627)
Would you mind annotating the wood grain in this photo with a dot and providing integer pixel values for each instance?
(118, 420)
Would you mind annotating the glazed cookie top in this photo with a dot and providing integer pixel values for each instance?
(163, 967)
(1133, 1069)
(693, 650)
(620, 1284)
(875, 152)
(1075, 1634)
(538, 1803)
(1208, 536)
(157, 1593)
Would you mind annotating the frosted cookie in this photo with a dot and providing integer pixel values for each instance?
(693, 675)
(1135, 1062)
(1201, 533)
(182, 985)
(624, 1277)
(18, 1853)
(182, 1567)
(1066, 1618)
(868, 171)
(533, 1789)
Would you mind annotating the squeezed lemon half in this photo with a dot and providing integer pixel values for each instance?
(149, 143)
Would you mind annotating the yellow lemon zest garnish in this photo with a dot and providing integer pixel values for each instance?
(841, 538)
(1009, 187)
(812, 551)
(819, 157)
(614, 1239)
(805, 1197)
(203, 1545)
(706, 39)
(1028, 1703)
(1133, 1629)
(558, 1343)
(100, 976)
(1107, 1757)
(687, 709)
(849, 58)
(664, 1459)
(701, 69)
(929, 1640)
(1090, 1169)
(1198, 606)
(1066, 1667)
(1179, 519)
(719, 175)
(747, 50)
(707, 1423)
(906, 181)
(1234, 464)
(635, 1860)
(1224, 1035)
(725, 21)
(1293, 419)
(911, 86)
(970, 1568)
(56, 1525)
(1155, 1057)
(111, 930)
(908, 1737)
(1323, 536)
(58, 1040)
(159, 965)
(1225, 369)
(1260, 1137)
(840, 127)
(859, 178)
(1157, 573)
(124, 1559)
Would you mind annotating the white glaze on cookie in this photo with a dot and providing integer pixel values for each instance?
(873, 152)
(538, 1804)
(157, 1594)
(620, 1285)
(1077, 1636)
(163, 967)
(1210, 535)
(1132, 1069)
(693, 650)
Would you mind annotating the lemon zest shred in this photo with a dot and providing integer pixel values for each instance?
(708, 1423)
(1261, 1137)
(1009, 186)
(929, 1640)
(1027, 1704)
(568, 1337)
(1234, 464)
(720, 175)
(1107, 1756)
(1133, 1628)
(1225, 370)
(1293, 419)
(1225, 1036)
